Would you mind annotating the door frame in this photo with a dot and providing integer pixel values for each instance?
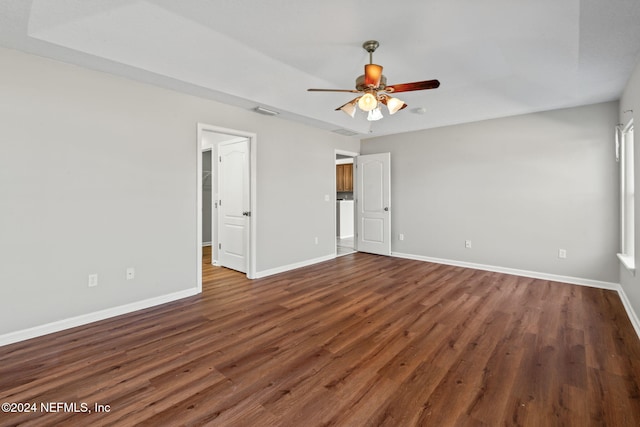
(335, 212)
(253, 143)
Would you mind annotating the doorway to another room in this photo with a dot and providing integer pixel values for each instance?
(345, 204)
(226, 180)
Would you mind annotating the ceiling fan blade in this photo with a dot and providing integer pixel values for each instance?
(334, 90)
(407, 87)
(372, 75)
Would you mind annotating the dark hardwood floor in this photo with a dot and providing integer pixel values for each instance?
(361, 340)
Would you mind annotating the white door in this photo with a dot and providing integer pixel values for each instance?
(373, 197)
(233, 204)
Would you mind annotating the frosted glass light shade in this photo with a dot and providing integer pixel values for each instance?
(394, 105)
(368, 102)
(349, 109)
(374, 115)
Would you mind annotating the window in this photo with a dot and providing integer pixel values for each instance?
(624, 138)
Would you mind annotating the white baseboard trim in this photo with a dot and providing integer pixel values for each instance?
(272, 271)
(516, 272)
(37, 331)
(633, 317)
(84, 319)
(206, 243)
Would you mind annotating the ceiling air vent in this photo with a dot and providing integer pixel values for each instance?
(345, 132)
(265, 111)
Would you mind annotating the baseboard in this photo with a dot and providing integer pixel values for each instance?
(516, 272)
(73, 322)
(272, 271)
(84, 319)
(206, 243)
(633, 317)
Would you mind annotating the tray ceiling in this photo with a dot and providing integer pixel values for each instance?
(494, 58)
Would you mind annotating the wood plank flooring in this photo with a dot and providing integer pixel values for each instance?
(361, 340)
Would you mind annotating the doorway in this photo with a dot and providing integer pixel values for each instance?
(345, 202)
(233, 243)
(371, 201)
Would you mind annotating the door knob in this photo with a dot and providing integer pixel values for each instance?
(386, 209)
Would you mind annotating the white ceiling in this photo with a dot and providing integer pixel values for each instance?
(494, 58)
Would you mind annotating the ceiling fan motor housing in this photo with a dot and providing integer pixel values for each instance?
(361, 86)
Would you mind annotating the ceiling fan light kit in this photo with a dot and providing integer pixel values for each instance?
(374, 114)
(393, 104)
(367, 102)
(349, 108)
(373, 85)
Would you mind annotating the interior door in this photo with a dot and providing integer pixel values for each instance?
(373, 203)
(233, 204)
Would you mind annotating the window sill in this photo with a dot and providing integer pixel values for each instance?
(629, 263)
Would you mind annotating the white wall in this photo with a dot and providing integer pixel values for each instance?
(630, 100)
(98, 173)
(519, 188)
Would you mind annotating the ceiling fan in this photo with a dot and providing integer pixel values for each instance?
(373, 85)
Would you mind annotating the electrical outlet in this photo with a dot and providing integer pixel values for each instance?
(326, 198)
(467, 244)
(93, 280)
(562, 253)
(316, 240)
(401, 236)
(131, 273)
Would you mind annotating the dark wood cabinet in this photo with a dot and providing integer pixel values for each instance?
(344, 178)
